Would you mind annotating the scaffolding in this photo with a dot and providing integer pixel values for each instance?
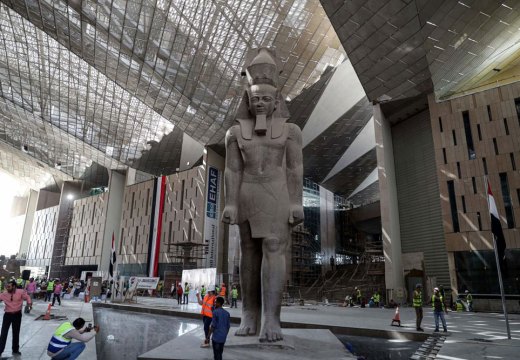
(188, 254)
(305, 266)
(61, 242)
(365, 272)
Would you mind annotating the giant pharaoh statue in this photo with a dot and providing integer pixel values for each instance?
(263, 194)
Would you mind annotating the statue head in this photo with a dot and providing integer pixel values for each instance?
(262, 77)
(262, 99)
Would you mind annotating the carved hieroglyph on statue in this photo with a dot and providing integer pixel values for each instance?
(263, 194)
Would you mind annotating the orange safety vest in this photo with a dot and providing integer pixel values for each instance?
(222, 291)
(207, 305)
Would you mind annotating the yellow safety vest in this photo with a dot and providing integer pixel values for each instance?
(417, 299)
(58, 340)
(207, 305)
(50, 286)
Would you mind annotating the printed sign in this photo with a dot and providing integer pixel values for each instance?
(212, 203)
(95, 286)
(144, 283)
(211, 222)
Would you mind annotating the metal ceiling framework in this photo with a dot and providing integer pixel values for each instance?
(84, 81)
(401, 48)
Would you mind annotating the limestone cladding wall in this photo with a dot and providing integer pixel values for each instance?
(86, 231)
(495, 128)
(42, 237)
(183, 223)
(135, 223)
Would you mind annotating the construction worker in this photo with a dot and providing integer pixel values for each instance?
(377, 298)
(469, 300)
(358, 295)
(208, 304)
(234, 296)
(203, 291)
(222, 293)
(160, 287)
(417, 304)
(19, 283)
(50, 290)
(439, 308)
(179, 294)
(61, 345)
(186, 293)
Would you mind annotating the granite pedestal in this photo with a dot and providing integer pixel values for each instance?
(297, 344)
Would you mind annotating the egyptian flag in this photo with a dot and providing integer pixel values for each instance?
(496, 229)
(112, 259)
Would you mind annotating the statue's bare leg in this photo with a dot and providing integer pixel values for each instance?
(273, 279)
(250, 265)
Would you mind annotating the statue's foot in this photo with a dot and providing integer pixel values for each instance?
(247, 325)
(271, 331)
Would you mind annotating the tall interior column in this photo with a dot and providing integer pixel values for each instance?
(394, 278)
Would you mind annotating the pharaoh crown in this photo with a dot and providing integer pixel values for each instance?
(263, 69)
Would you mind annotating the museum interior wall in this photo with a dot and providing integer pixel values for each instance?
(182, 244)
(86, 230)
(42, 237)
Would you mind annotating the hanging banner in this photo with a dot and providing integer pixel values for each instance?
(211, 221)
(154, 241)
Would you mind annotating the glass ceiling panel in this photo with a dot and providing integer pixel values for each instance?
(42, 81)
(115, 75)
(184, 58)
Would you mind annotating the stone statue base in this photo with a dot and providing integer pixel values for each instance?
(297, 344)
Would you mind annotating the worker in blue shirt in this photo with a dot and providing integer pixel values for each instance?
(219, 328)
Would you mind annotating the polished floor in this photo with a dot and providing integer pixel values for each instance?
(126, 335)
(136, 333)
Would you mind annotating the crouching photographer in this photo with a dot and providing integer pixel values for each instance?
(61, 346)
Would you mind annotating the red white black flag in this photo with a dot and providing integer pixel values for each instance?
(112, 259)
(496, 227)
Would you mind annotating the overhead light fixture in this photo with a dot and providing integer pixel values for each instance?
(70, 197)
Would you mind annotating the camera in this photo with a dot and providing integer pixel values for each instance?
(89, 328)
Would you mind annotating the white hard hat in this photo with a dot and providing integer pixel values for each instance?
(436, 289)
(211, 288)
